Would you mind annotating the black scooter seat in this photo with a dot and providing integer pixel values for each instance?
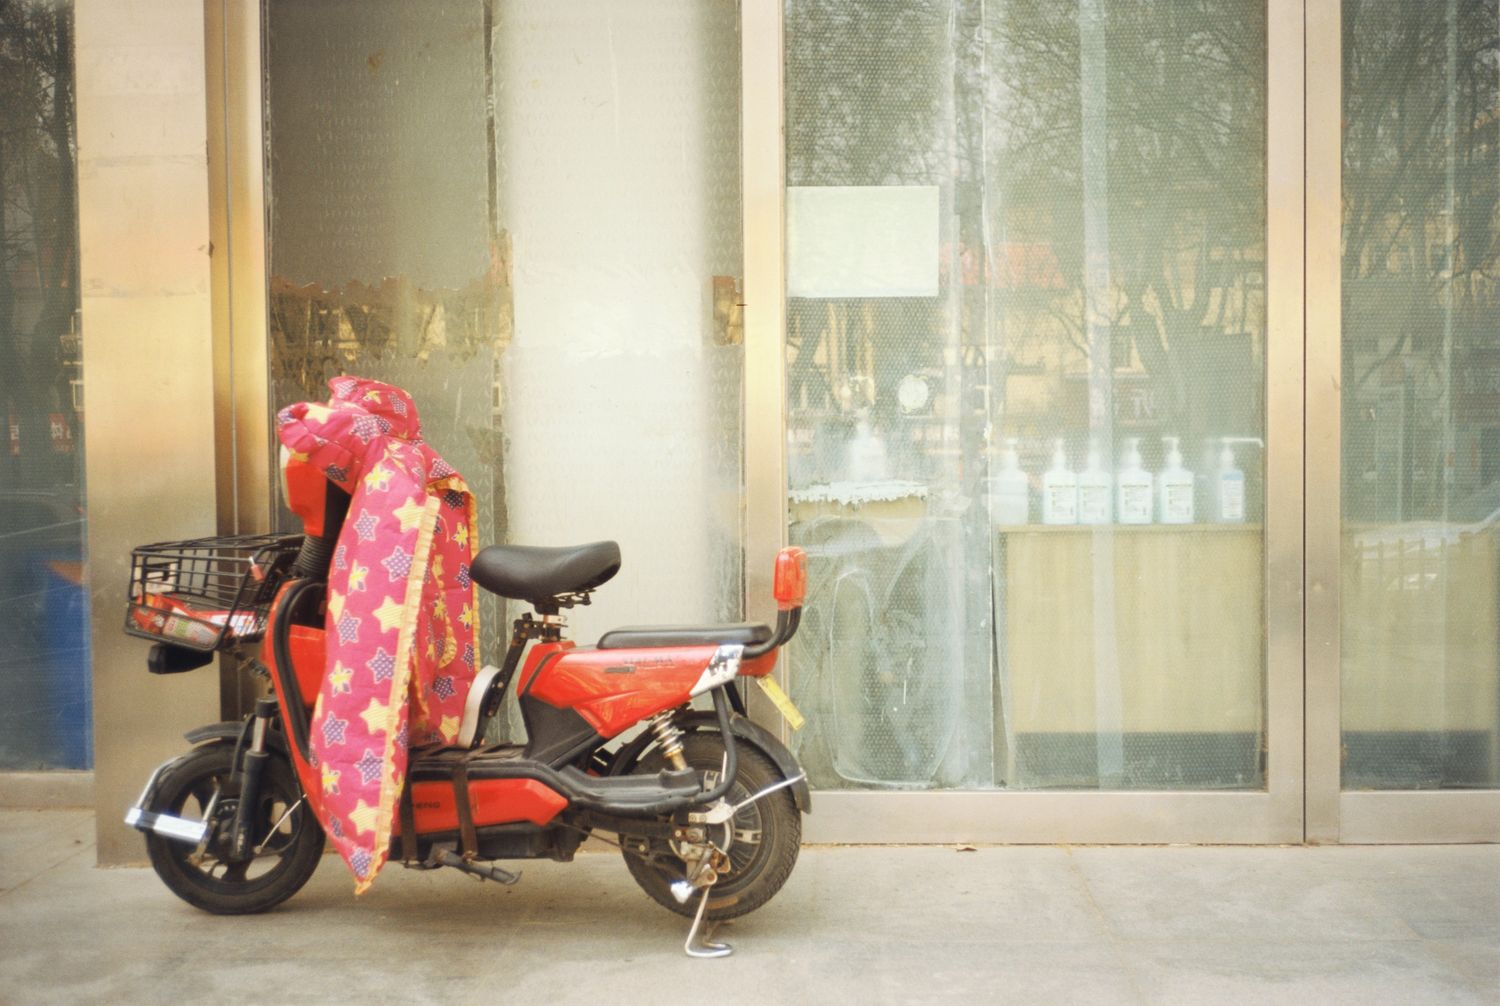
(529, 573)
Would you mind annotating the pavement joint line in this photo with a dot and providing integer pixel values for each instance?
(73, 854)
(1115, 948)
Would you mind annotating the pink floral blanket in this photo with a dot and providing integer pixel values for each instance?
(402, 622)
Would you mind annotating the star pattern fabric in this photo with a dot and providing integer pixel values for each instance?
(400, 626)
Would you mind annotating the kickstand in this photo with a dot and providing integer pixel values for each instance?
(706, 947)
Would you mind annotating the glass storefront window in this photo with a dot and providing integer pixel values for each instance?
(45, 720)
(528, 215)
(1026, 392)
(1421, 396)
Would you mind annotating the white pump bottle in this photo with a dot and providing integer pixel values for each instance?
(1229, 489)
(1059, 489)
(1095, 490)
(1174, 487)
(1132, 486)
(1010, 499)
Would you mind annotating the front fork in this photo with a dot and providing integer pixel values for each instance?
(252, 768)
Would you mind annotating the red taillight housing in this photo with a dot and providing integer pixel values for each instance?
(791, 578)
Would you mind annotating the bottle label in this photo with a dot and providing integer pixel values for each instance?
(1093, 504)
(1062, 505)
(1135, 504)
(1231, 499)
(1177, 503)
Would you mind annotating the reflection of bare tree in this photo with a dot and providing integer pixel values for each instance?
(1422, 180)
(869, 102)
(38, 231)
(868, 105)
(318, 333)
(1184, 126)
(985, 100)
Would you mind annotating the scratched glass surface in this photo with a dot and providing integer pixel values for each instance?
(1421, 397)
(46, 718)
(518, 211)
(1069, 207)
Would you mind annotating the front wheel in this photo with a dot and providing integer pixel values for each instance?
(209, 877)
(766, 835)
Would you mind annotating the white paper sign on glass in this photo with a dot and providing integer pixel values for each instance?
(862, 241)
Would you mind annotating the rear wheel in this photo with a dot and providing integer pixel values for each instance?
(766, 835)
(210, 878)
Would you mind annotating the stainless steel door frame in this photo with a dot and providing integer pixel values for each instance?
(1272, 815)
(1333, 814)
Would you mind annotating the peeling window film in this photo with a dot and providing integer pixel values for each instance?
(528, 214)
(1421, 397)
(990, 606)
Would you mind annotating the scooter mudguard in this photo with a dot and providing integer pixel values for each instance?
(745, 730)
(231, 731)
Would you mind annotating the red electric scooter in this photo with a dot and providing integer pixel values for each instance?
(704, 805)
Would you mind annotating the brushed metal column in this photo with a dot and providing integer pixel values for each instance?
(148, 364)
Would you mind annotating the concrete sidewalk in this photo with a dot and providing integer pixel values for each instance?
(875, 924)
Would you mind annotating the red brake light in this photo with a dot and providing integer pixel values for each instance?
(791, 578)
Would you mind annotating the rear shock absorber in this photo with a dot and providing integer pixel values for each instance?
(669, 736)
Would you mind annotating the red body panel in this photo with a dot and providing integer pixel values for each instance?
(311, 785)
(614, 689)
(306, 490)
(493, 801)
(308, 660)
(759, 667)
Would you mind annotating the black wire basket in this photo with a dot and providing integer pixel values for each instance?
(207, 593)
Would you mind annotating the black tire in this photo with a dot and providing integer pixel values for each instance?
(759, 867)
(213, 882)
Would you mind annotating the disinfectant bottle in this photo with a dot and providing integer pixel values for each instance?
(1174, 487)
(1095, 490)
(866, 454)
(1132, 486)
(1059, 489)
(1010, 501)
(1229, 489)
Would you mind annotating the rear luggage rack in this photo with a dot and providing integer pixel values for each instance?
(207, 593)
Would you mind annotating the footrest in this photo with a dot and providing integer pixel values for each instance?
(621, 794)
(439, 765)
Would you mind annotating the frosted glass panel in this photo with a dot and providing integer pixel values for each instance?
(526, 213)
(1421, 387)
(1099, 177)
(618, 139)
